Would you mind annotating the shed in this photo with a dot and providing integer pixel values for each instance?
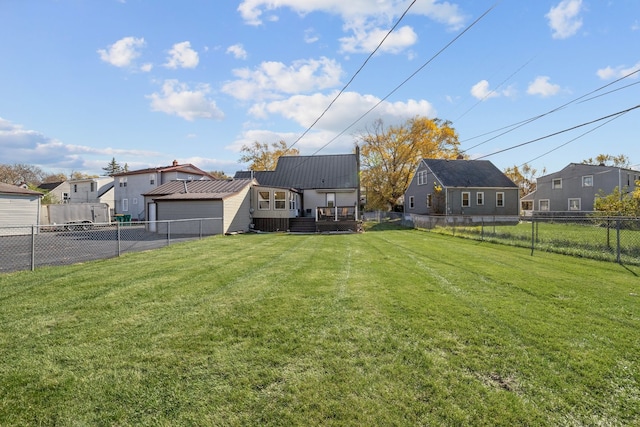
(19, 207)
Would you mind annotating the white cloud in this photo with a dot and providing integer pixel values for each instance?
(481, 90)
(272, 79)
(33, 147)
(305, 109)
(182, 56)
(564, 19)
(178, 99)
(609, 73)
(237, 50)
(365, 20)
(310, 36)
(123, 52)
(541, 86)
(365, 40)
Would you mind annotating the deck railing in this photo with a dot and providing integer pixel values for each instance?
(336, 213)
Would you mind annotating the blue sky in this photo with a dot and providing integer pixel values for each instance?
(149, 81)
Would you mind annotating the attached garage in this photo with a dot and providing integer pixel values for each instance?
(19, 207)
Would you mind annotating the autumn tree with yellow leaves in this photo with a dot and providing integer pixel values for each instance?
(390, 154)
(264, 157)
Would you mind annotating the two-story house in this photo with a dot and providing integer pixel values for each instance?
(91, 190)
(131, 185)
(574, 188)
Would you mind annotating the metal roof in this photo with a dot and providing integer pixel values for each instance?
(468, 173)
(201, 189)
(14, 189)
(310, 172)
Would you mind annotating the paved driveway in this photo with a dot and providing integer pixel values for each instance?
(70, 247)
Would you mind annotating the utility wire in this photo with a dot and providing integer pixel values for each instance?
(560, 132)
(524, 122)
(408, 78)
(352, 78)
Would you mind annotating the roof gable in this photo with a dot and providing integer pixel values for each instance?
(310, 172)
(185, 168)
(14, 189)
(468, 173)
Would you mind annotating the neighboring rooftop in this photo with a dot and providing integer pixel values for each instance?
(194, 190)
(468, 173)
(14, 189)
(174, 167)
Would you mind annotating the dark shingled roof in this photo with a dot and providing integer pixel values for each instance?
(468, 173)
(198, 190)
(49, 185)
(309, 172)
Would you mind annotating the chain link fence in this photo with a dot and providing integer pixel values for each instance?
(30, 247)
(608, 238)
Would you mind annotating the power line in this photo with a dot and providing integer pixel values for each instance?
(409, 78)
(352, 78)
(560, 132)
(515, 126)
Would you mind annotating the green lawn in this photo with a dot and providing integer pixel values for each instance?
(389, 327)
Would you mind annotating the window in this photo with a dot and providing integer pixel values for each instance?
(292, 201)
(152, 179)
(556, 183)
(422, 177)
(466, 199)
(331, 200)
(93, 187)
(574, 204)
(263, 200)
(279, 200)
(125, 205)
(122, 182)
(411, 205)
(587, 181)
(480, 198)
(543, 205)
(500, 199)
(428, 200)
(75, 188)
(65, 196)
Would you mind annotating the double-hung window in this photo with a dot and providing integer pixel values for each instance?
(466, 199)
(279, 200)
(500, 199)
(264, 200)
(480, 198)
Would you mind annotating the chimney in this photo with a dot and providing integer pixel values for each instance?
(175, 163)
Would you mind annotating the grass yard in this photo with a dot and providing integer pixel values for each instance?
(389, 327)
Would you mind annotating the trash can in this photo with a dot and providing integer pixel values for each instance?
(119, 218)
(127, 218)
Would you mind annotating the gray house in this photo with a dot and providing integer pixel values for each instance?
(92, 190)
(307, 193)
(130, 186)
(474, 190)
(225, 202)
(18, 206)
(574, 188)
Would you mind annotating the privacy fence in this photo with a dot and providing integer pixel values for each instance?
(610, 238)
(29, 247)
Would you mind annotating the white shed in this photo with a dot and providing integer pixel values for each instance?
(19, 209)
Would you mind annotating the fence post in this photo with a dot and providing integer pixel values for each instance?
(118, 237)
(168, 233)
(618, 241)
(33, 247)
(533, 233)
(201, 228)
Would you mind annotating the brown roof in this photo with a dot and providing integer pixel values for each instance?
(186, 168)
(14, 189)
(215, 189)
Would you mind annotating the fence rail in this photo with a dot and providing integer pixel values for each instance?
(32, 246)
(609, 238)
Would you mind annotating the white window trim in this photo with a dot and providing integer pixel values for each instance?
(579, 204)
(498, 199)
(125, 205)
(462, 200)
(585, 177)
(283, 201)
(422, 177)
(411, 202)
(480, 198)
(540, 205)
(260, 200)
(558, 186)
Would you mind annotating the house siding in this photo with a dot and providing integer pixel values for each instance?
(236, 212)
(190, 209)
(605, 178)
(17, 209)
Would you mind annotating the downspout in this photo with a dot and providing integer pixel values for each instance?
(358, 182)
